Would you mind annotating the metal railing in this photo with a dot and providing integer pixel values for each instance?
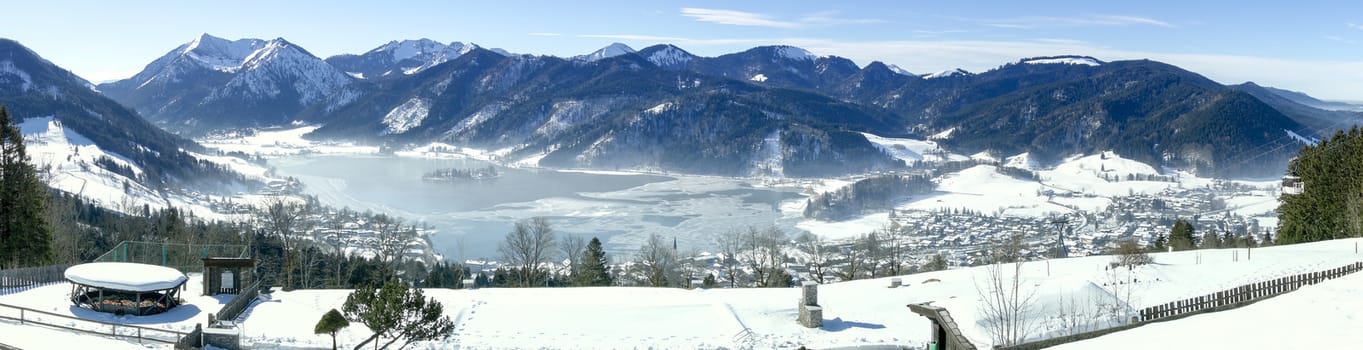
(238, 304)
(141, 334)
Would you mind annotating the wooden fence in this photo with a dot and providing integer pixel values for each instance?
(238, 304)
(14, 280)
(1245, 293)
(25, 315)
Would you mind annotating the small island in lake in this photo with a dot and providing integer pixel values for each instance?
(455, 174)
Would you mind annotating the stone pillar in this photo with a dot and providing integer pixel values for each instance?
(811, 314)
(810, 296)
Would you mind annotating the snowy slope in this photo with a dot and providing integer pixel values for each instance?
(910, 150)
(406, 116)
(984, 189)
(946, 73)
(69, 161)
(612, 50)
(1075, 60)
(670, 56)
(855, 313)
(898, 70)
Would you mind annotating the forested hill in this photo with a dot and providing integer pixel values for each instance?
(32, 87)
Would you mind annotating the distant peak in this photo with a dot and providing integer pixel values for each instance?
(612, 50)
(1066, 59)
(898, 70)
(666, 55)
(794, 53)
(947, 73)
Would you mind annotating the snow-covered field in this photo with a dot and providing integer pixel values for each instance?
(283, 142)
(862, 312)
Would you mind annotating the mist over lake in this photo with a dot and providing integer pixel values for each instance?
(472, 216)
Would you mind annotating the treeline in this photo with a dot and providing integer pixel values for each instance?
(1184, 236)
(1331, 203)
(873, 193)
(1137, 177)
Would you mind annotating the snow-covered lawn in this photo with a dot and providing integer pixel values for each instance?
(855, 313)
(1328, 315)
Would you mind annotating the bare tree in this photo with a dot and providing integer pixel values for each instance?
(1123, 290)
(873, 252)
(896, 242)
(658, 260)
(392, 240)
(1075, 315)
(730, 244)
(854, 260)
(762, 253)
(571, 247)
(528, 246)
(286, 220)
(1007, 302)
(820, 257)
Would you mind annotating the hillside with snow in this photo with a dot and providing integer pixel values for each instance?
(71, 163)
(857, 313)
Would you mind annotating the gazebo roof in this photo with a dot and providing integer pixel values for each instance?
(128, 277)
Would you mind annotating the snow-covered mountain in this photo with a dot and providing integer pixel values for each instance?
(212, 82)
(897, 69)
(667, 56)
(612, 50)
(1069, 59)
(399, 57)
(946, 73)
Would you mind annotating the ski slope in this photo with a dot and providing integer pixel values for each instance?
(856, 313)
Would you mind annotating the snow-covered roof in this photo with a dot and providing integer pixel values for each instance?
(129, 277)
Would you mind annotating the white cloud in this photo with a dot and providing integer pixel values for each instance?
(1084, 21)
(738, 18)
(1340, 39)
(831, 18)
(1354, 26)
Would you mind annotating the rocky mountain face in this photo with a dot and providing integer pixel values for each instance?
(212, 83)
(399, 57)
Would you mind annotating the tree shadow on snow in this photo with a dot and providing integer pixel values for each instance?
(838, 325)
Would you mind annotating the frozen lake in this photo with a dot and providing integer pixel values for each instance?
(472, 217)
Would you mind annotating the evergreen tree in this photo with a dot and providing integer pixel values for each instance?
(1210, 240)
(937, 262)
(1330, 205)
(595, 269)
(24, 233)
(1181, 237)
(710, 281)
(398, 312)
(331, 323)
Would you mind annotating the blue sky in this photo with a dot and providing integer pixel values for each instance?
(1315, 47)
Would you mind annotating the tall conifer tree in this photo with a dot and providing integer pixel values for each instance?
(24, 236)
